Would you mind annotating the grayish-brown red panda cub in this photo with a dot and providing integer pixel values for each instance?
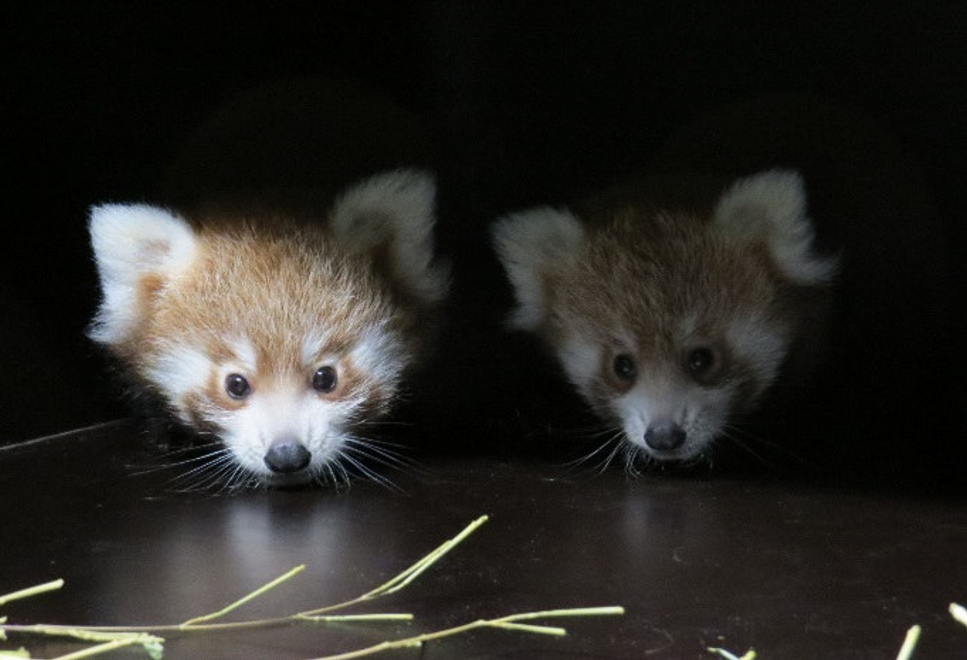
(280, 335)
(668, 321)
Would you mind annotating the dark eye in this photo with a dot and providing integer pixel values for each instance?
(237, 386)
(699, 361)
(624, 367)
(324, 380)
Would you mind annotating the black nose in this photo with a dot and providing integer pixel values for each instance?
(287, 456)
(665, 437)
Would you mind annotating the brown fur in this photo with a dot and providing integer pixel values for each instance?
(676, 266)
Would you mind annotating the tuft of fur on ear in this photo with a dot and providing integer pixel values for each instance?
(527, 243)
(132, 242)
(396, 210)
(772, 205)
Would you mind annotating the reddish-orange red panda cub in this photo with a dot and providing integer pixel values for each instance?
(279, 334)
(669, 322)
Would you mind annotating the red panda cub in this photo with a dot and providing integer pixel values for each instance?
(669, 322)
(280, 335)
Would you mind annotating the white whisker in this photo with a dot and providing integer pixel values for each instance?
(366, 472)
(383, 453)
(601, 457)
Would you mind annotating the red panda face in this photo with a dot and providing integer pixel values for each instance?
(668, 324)
(668, 332)
(671, 395)
(281, 339)
(284, 413)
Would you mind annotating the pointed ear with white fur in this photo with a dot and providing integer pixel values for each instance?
(395, 210)
(527, 243)
(772, 205)
(133, 242)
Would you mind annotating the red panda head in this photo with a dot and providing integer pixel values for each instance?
(668, 324)
(280, 338)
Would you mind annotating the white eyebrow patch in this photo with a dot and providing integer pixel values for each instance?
(687, 327)
(245, 353)
(313, 345)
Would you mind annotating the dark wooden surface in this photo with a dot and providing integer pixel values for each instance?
(793, 570)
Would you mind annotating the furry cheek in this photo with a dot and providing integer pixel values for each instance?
(382, 355)
(707, 419)
(581, 360)
(760, 348)
(180, 372)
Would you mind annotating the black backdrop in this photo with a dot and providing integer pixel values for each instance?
(527, 102)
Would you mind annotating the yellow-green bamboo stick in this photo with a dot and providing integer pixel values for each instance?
(909, 643)
(151, 643)
(53, 585)
(405, 577)
(338, 618)
(728, 655)
(410, 574)
(14, 654)
(245, 599)
(507, 622)
(959, 613)
(105, 647)
(319, 614)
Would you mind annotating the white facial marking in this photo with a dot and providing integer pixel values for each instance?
(285, 408)
(280, 407)
(687, 328)
(178, 371)
(246, 357)
(581, 359)
(380, 354)
(287, 414)
(761, 347)
(313, 345)
(699, 412)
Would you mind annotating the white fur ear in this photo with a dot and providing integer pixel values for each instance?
(772, 204)
(527, 243)
(130, 242)
(395, 208)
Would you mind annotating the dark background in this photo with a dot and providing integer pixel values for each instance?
(527, 103)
